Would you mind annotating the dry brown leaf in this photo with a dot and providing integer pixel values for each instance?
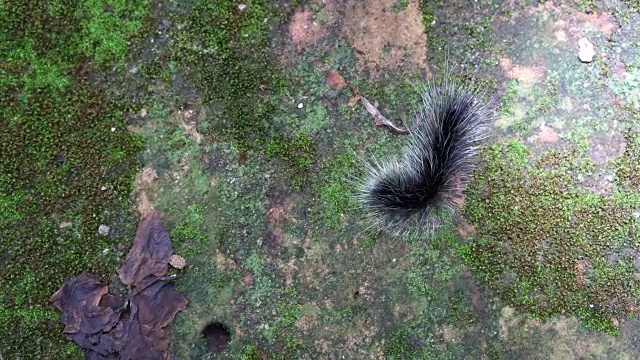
(132, 327)
(335, 80)
(354, 100)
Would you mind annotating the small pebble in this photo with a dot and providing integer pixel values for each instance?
(587, 51)
(103, 188)
(242, 7)
(300, 106)
(113, 129)
(177, 261)
(103, 230)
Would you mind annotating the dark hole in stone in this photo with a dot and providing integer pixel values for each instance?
(356, 294)
(217, 336)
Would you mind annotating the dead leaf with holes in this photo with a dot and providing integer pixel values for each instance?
(131, 327)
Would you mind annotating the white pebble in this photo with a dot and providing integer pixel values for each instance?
(103, 230)
(586, 50)
(300, 106)
(113, 129)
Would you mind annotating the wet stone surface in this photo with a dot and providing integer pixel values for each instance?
(257, 191)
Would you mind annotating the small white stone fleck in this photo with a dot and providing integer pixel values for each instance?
(103, 188)
(241, 7)
(300, 106)
(103, 230)
(113, 129)
(587, 50)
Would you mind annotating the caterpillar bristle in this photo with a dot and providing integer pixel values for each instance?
(418, 191)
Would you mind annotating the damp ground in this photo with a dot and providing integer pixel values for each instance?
(249, 154)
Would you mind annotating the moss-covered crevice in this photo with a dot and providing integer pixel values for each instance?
(299, 155)
(549, 247)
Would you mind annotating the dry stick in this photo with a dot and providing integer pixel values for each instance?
(336, 81)
(380, 120)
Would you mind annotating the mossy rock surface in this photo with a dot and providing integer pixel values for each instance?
(218, 115)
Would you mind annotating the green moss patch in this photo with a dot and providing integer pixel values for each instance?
(549, 247)
(107, 27)
(67, 163)
(629, 164)
(299, 155)
(458, 29)
(225, 52)
(337, 188)
(446, 322)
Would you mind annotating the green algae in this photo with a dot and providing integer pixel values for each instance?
(213, 48)
(62, 143)
(548, 247)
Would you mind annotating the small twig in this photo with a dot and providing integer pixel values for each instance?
(380, 120)
(336, 81)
